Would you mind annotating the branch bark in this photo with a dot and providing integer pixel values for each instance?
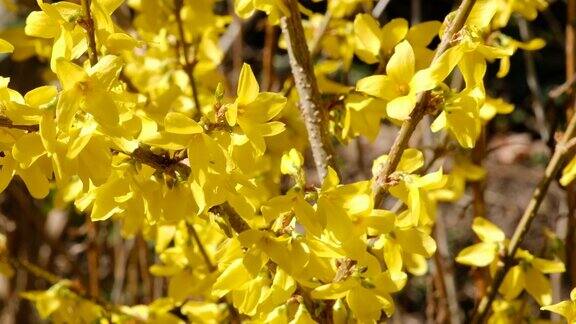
(184, 50)
(314, 116)
(381, 183)
(530, 213)
(89, 26)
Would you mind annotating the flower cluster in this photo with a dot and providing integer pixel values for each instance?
(138, 125)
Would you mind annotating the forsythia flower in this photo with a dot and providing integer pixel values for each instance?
(529, 275)
(366, 290)
(401, 84)
(252, 110)
(486, 252)
(274, 8)
(566, 308)
(373, 44)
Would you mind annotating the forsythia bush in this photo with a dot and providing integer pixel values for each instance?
(137, 125)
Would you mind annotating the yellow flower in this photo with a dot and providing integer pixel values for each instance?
(493, 106)
(401, 83)
(252, 110)
(58, 21)
(412, 189)
(366, 290)
(461, 117)
(566, 308)
(512, 45)
(373, 44)
(529, 275)
(483, 253)
(275, 9)
(88, 90)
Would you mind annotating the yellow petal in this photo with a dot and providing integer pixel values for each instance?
(334, 290)
(569, 173)
(380, 86)
(479, 255)
(513, 283)
(401, 65)
(248, 88)
(487, 231)
(6, 47)
(367, 37)
(41, 96)
(102, 107)
(69, 73)
(393, 33)
(365, 305)
(178, 123)
(28, 149)
(302, 316)
(423, 33)
(565, 308)
(401, 107)
(234, 276)
(548, 266)
(538, 286)
(416, 241)
(35, 181)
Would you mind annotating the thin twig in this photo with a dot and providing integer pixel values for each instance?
(314, 116)
(529, 214)
(270, 45)
(184, 50)
(7, 123)
(143, 266)
(88, 24)
(570, 50)
(92, 253)
(54, 279)
(379, 8)
(198, 242)
(446, 269)
(533, 82)
(381, 182)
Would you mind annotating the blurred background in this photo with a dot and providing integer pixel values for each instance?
(517, 149)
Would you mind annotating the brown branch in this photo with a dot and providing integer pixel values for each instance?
(88, 24)
(530, 213)
(381, 182)
(93, 256)
(198, 242)
(53, 279)
(314, 116)
(533, 82)
(184, 50)
(7, 123)
(445, 266)
(143, 266)
(570, 50)
(270, 46)
(93, 249)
